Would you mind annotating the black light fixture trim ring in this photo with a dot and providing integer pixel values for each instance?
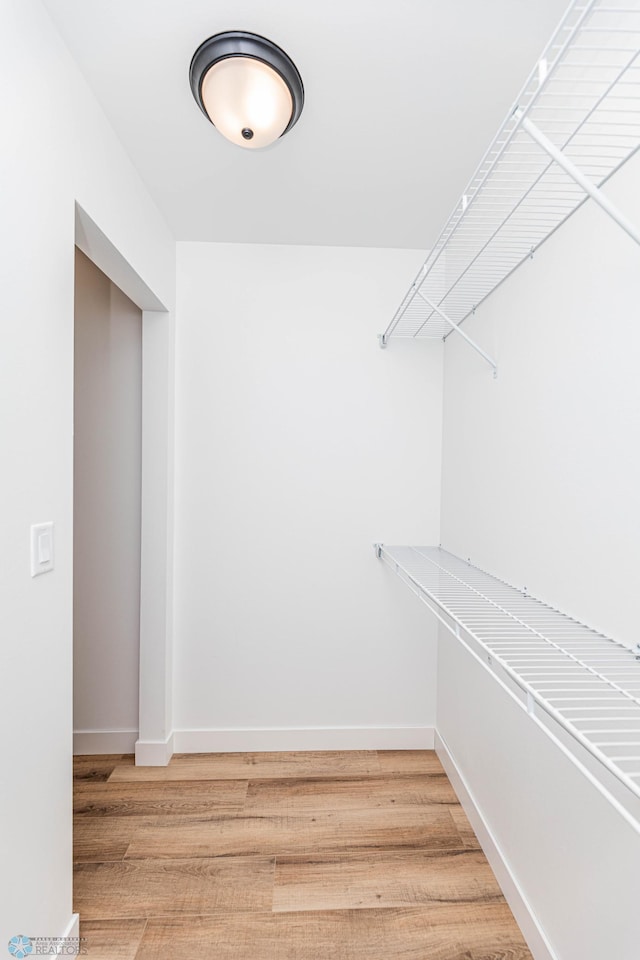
(237, 43)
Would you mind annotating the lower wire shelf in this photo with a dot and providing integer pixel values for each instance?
(556, 667)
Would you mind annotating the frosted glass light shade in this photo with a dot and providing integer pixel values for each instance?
(247, 86)
(247, 101)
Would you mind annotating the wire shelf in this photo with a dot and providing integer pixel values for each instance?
(584, 94)
(585, 681)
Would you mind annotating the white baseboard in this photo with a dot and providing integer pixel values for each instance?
(157, 753)
(63, 946)
(73, 927)
(154, 753)
(306, 738)
(533, 933)
(103, 741)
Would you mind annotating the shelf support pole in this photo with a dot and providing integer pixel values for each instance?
(465, 336)
(576, 174)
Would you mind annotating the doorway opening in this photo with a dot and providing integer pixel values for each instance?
(107, 512)
(150, 559)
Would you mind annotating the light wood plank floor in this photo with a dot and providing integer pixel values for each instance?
(283, 856)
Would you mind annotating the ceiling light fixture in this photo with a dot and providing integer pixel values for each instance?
(247, 87)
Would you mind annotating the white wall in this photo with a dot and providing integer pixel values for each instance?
(541, 467)
(541, 472)
(298, 443)
(574, 858)
(106, 520)
(58, 148)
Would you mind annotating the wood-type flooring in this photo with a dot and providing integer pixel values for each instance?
(363, 855)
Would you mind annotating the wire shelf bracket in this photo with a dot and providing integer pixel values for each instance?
(454, 326)
(579, 686)
(384, 340)
(576, 174)
(575, 123)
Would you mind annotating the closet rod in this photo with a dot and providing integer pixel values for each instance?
(558, 668)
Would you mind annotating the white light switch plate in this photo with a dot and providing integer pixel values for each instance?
(41, 548)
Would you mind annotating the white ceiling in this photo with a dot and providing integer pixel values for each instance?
(402, 99)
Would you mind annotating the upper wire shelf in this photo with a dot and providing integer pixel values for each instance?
(583, 680)
(578, 114)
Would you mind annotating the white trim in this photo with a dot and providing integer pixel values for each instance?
(98, 248)
(156, 530)
(154, 753)
(303, 738)
(533, 933)
(103, 741)
(71, 932)
(73, 927)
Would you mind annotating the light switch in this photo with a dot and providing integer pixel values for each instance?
(41, 548)
(44, 548)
